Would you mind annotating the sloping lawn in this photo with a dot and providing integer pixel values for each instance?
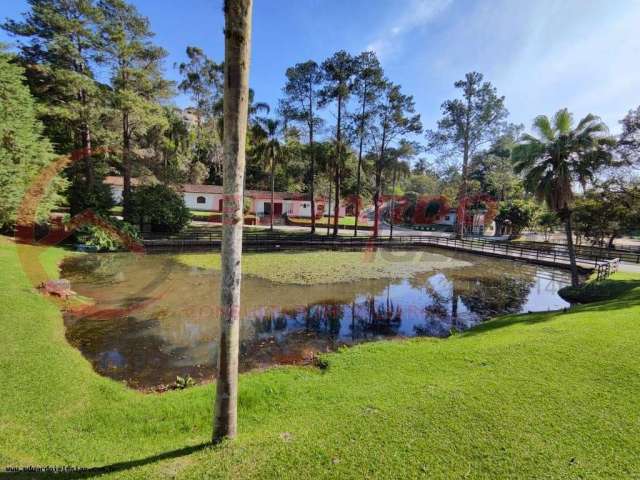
(553, 395)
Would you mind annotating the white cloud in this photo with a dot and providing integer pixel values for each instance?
(416, 14)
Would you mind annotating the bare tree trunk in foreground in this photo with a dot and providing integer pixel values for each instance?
(236, 99)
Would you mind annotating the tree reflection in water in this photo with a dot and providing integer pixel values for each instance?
(146, 343)
(479, 298)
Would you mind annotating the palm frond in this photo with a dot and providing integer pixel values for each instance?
(542, 125)
(563, 120)
(589, 119)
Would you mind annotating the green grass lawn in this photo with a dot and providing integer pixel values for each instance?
(346, 220)
(553, 395)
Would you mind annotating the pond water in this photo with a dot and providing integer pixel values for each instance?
(153, 318)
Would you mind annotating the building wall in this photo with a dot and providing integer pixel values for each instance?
(116, 193)
(210, 204)
(448, 219)
(293, 208)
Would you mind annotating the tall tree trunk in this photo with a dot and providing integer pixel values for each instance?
(338, 158)
(85, 133)
(377, 195)
(336, 202)
(236, 102)
(572, 251)
(358, 176)
(273, 188)
(313, 164)
(329, 210)
(465, 172)
(126, 167)
(393, 203)
(86, 153)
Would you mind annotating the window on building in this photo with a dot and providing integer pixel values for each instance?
(201, 200)
(447, 218)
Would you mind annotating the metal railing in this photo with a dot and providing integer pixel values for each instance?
(606, 268)
(271, 241)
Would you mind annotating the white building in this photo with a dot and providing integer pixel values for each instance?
(208, 198)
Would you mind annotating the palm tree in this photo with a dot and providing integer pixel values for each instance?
(559, 157)
(237, 48)
(269, 151)
(400, 168)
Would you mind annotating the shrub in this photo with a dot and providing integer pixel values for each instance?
(548, 222)
(24, 152)
(160, 207)
(517, 214)
(97, 199)
(105, 240)
(184, 382)
(597, 291)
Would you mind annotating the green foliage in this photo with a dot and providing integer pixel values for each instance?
(548, 222)
(24, 153)
(629, 142)
(603, 215)
(468, 123)
(58, 45)
(516, 215)
(493, 170)
(560, 156)
(597, 291)
(106, 240)
(136, 78)
(96, 197)
(184, 382)
(160, 207)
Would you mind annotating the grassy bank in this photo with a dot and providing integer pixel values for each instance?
(317, 267)
(550, 395)
(322, 221)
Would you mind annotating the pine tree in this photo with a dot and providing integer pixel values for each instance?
(24, 153)
(367, 87)
(300, 105)
(339, 70)
(58, 46)
(395, 117)
(137, 81)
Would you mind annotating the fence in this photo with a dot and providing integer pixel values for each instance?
(606, 268)
(272, 241)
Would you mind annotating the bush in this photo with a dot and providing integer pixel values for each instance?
(548, 222)
(104, 240)
(597, 291)
(160, 207)
(517, 215)
(97, 199)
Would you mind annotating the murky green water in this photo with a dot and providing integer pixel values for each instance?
(155, 318)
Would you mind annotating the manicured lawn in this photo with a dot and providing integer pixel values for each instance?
(550, 395)
(346, 220)
(308, 268)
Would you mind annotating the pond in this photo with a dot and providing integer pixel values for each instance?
(152, 318)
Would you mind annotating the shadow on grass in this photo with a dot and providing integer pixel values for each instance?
(106, 469)
(606, 296)
(593, 292)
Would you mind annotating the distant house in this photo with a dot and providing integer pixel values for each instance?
(208, 198)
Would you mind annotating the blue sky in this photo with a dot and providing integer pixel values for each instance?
(541, 54)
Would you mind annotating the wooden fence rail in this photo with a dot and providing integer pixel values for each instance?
(272, 241)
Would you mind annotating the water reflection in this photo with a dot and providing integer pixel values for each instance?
(154, 319)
